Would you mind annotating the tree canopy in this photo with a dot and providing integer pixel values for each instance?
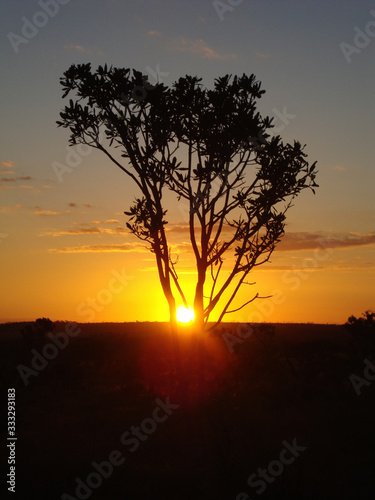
(213, 150)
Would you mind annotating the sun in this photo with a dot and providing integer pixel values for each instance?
(184, 314)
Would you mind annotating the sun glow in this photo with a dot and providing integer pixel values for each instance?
(184, 314)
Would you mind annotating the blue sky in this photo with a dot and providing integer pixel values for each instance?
(293, 47)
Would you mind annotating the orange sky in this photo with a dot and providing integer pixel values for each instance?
(63, 240)
(98, 272)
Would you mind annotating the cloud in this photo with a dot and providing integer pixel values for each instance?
(8, 164)
(262, 55)
(78, 48)
(47, 212)
(311, 241)
(83, 230)
(124, 247)
(14, 179)
(293, 241)
(7, 186)
(108, 221)
(198, 47)
(81, 49)
(154, 33)
(10, 208)
(184, 228)
(304, 266)
(182, 248)
(339, 168)
(178, 228)
(75, 205)
(181, 271)
(86, 229)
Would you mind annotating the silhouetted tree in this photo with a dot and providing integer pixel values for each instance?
(37, 331)
(237, 182)
(362, 330)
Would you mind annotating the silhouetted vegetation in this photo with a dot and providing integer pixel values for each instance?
(362, 330)
(212, 149)
(282, 382)
(364, 326)
(37, 331)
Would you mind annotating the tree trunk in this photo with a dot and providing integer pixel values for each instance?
(177, 381)
(172, 312)
(199, 302)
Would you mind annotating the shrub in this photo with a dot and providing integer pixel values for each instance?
(37, 331)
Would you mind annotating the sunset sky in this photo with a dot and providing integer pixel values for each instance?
(65, 250)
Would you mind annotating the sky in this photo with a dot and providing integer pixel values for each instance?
(65, 251)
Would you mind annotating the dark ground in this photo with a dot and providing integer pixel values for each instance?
(235, 411)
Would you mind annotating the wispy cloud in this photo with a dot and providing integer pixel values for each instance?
(75, 205)
(310, 241)
(78, 230)
(47, 212)
(87, 229)
(154, 33)
(7, 164)
(338, 168)
(182, 248)
(14, 179)
(184, 228)
(292, 241)
(182, 270)
(125, 247)
(262, 55)
(199, 48)
(108, 221)
(83, 50)
(78, 48)
(8, 209)
(6, 180)
(18, 186)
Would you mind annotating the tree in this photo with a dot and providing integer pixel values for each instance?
(212, 149)
(37, 331)
(363, 327)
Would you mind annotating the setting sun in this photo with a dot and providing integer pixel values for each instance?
(184, 314)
